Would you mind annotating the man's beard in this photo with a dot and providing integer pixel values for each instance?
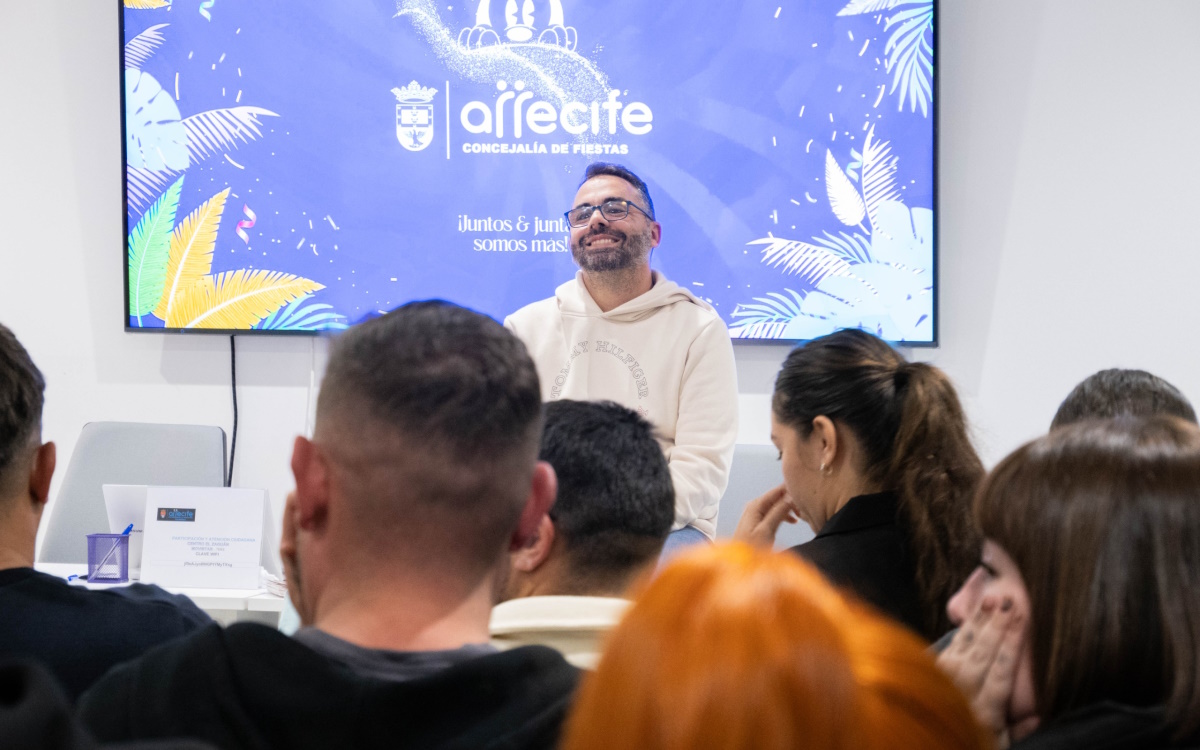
(630, 251)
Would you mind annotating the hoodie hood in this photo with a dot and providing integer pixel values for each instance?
(573, 299)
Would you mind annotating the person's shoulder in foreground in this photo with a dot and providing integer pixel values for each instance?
(421, 474)
(250, 686)
(36, 715)
(78, 634)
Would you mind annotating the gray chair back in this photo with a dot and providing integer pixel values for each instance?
(755, 470)
(126, 453)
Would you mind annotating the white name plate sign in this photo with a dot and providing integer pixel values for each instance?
(203, 537)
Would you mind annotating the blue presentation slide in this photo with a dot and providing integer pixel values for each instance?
(302, 165)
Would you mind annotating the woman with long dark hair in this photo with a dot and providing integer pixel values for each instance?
(876, 459)
(1081, 626)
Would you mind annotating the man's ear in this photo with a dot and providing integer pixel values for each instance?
(312, 473)
(542, 492)
(655, 234)
(537, 548)
(288, 554)
(41, 473)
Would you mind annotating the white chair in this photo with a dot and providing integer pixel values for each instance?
(126, 453)
(755, 470)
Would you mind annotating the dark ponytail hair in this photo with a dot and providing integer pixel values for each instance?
(907, 417)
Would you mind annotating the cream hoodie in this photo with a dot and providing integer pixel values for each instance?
(665, 354)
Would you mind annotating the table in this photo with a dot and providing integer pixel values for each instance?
(223, 605)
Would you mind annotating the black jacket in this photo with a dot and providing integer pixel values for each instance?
(1106, 726)
(249, 686)
(864, 548)
(35, 714)
(80, 634)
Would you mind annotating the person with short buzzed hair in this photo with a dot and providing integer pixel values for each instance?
(1122, 393)
(566, 586)
(421, 475)
(621, 331)
(76, 633)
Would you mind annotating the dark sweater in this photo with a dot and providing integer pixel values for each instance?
(80, 634)
(35, 714)
(1107, 726)
(249, 686)
(864, 548)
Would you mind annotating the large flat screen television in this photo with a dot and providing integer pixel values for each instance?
(297, 166)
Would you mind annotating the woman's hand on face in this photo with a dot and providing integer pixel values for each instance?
(762, 516)
(982, 661)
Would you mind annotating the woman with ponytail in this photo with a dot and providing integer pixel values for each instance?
(876, 459)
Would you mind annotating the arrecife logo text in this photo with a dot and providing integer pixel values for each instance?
(542, 118)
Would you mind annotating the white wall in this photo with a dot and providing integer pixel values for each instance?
(1067, 242)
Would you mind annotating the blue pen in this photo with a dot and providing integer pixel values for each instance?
(128, 529)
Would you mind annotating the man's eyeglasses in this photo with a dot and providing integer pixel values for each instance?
(613, 210)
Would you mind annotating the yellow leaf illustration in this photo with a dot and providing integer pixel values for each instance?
(236, 299)
(146, 4)
(192, 246)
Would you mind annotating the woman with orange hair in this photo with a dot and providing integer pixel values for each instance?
(733, 647)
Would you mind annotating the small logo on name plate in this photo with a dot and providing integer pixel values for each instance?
(177, 514)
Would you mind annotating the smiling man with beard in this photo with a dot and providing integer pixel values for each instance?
(622, 332)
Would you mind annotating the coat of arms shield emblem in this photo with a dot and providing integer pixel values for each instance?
(414, 116)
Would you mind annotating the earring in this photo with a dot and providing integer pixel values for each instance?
(827, 470)
(822, 467)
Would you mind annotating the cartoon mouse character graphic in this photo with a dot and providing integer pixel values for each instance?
(526, 22)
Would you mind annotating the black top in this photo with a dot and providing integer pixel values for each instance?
(34, 713)
(1107, 726)
(250, 686)
(864, 548)
(79, 634)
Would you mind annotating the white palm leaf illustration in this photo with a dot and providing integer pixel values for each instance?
(145, 185)
(878, 175)
(139, 49)
(844, 199)
(863, 7)
(810, 262)
(766, 317)
(218, 130)
(910, 55)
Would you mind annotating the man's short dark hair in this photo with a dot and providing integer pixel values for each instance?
(22, 390)
(1122, 393)
(615, 500)
(596, 169)
(436, 413)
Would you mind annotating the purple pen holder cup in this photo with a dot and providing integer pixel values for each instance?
(108, 558)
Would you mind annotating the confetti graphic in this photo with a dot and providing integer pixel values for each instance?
(245, 224)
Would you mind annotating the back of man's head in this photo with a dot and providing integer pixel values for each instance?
(615, 500)
(430, 416)
(21, 398)
(1118, 393)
